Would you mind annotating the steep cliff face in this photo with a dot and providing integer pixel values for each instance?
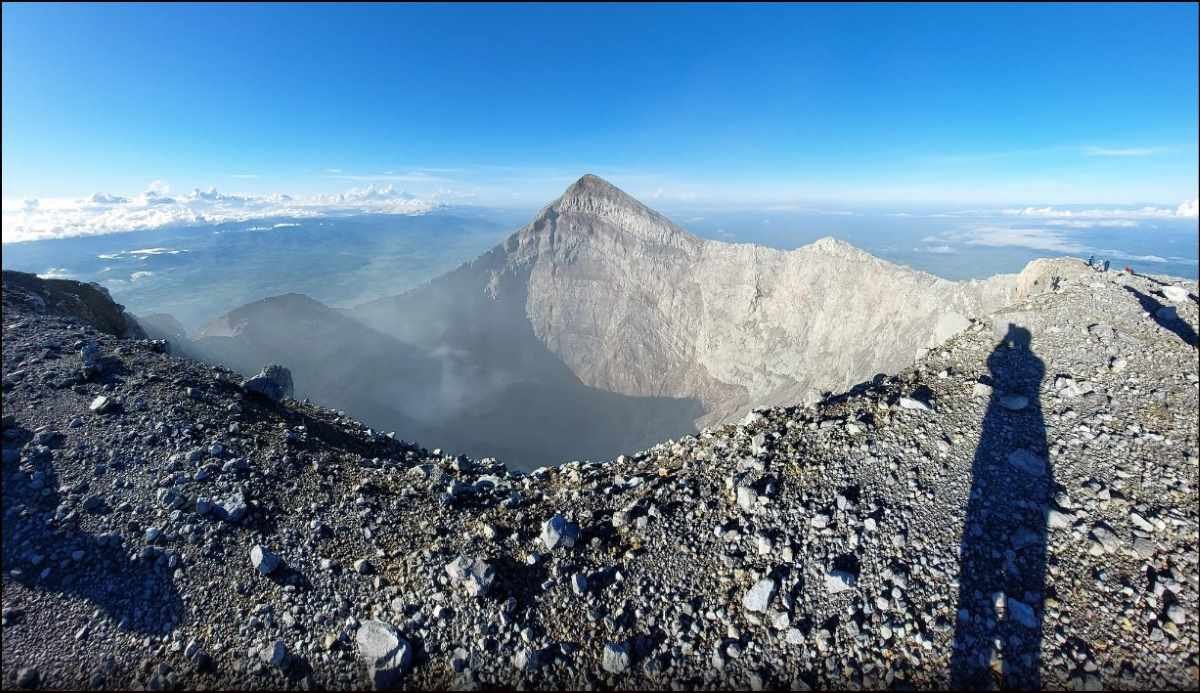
(633, 304)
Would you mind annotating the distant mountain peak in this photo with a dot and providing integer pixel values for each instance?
(594, 199)
(590, 184)
(592, 192)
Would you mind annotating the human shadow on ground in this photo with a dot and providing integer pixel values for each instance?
(1170, 320)
(998, 632)
(138, 594)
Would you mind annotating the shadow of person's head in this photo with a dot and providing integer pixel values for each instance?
(1018, 337)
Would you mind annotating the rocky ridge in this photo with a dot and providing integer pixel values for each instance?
(635, 305)
(187, 532)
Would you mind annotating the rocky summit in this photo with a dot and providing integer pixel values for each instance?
(1017, 508)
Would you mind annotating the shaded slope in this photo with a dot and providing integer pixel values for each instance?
(514, 399)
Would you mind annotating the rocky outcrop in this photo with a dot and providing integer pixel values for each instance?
(88, 302)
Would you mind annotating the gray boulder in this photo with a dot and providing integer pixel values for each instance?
(557, 531)
(231, 509)
(274, 382)
(616, 658)
(387, 655)
(475, 575)
(275, 654)
(89, 355)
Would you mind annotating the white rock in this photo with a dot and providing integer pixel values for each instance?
(747, 498)
(758, 598)
(579, 583)
(1141, 522)
(1056, 519)
(263, 560)
(1175, 294)
(615, 659)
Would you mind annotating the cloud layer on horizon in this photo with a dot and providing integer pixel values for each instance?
(156, 207)
(105, 213)
(1189, 209)
(1042, 238)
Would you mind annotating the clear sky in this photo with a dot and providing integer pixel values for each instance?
(722, 105)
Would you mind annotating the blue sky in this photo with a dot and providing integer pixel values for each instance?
(700, 105)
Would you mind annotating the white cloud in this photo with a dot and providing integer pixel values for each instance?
(1033, 238)
(106, 199)
(1187, 209)
(1043, 239)
(55, 273)
(371, 193)
(139, 254)
(140, 275)
(104, 213)
(940, 250)
(211, 195)
(1092, 223)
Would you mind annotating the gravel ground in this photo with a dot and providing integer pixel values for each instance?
(1019, 508)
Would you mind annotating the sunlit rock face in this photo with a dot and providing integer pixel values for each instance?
(601, 292)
